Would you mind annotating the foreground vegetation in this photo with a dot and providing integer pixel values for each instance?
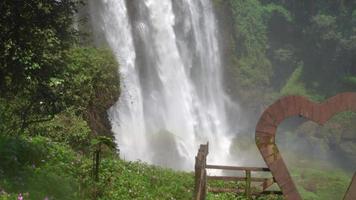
(321, 184)
(38, 167)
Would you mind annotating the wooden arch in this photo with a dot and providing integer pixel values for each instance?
(293, 106)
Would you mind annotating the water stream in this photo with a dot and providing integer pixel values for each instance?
(172, 96)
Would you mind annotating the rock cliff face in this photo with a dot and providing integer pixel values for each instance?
(97, 116)
(336, 139)
(96, 113)
(333, 144)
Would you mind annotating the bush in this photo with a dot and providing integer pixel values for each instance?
(38, 167)
(67, 128)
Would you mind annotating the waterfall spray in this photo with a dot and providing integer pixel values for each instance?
(171, 79)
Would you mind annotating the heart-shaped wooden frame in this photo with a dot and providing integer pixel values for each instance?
(287, 107)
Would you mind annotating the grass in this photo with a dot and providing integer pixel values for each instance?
(318, 184)
(39, 168)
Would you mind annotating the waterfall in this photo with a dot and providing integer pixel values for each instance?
(172, 97)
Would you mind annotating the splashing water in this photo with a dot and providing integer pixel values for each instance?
(172, 96)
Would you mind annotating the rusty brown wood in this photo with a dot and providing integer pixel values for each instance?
(236, 178)
(226, 178)
(256, 169)
(200, 172)
(287, 107)
(239, 191)
(351, 191)
(223, 190)
(201, 177)
(200, 187)
(268, 192)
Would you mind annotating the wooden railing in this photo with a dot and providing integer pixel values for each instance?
(201, 178)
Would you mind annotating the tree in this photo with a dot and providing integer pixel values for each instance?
(97, 145)
(33, 37)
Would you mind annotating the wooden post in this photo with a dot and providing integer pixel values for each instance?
(197, 178)
(248, 184)
(200, 173)
(204, 168)
(204, 185)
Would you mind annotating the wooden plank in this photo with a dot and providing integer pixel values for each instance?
(226, 178)
(223, 190)
(269, 192)
(239, 191)
(237, 178)
(256, 169)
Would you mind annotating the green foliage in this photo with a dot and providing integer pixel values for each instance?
(38, 167)
(9, 121)
(101, 141)
(54, 96)
(295, 85)
(41, 74)
(89, 79)
(349, 81)
(284, 34)
(319, 184)
(67, 128)
(345, 118)
(325, 27)
(32, 37)
(88, 82)
(135, 180)
(248, 19)
(279, 10)
(249, 70)
(6, 196)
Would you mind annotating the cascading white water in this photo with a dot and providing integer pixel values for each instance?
(172, 97)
